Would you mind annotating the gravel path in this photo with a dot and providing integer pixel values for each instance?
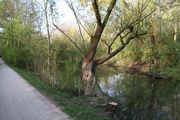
(20, 101)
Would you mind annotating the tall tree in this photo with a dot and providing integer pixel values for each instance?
(125, 19)
(89, 62)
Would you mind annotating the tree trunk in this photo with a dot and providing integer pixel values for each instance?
(90, 85)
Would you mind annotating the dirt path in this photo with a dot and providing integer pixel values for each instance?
(20, 101)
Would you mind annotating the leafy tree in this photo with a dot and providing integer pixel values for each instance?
(126, 18)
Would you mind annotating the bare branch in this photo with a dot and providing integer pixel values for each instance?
(108, 47)
(132, 24)
(104, 42)
(104, 59)
(96, 11)
(121, 39)
(78, 23)
(90, 35)
(85, 27)
(109, 10)
(40, 4)
(71, 40)
(119, 33)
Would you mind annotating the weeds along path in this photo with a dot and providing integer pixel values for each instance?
(20, 101)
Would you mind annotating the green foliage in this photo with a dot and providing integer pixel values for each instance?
(24, 45)
(68, 65)
(133, 52)
(68, 77)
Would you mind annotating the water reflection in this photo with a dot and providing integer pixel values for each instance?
(142, 98)
(108, 85)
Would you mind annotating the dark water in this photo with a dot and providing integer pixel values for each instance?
(140, 97)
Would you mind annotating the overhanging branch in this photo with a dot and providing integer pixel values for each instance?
(104, 59)
(78, 23)
(132, 24)
(86, 28)
(70, 39)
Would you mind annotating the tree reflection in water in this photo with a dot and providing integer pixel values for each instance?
(142, 98)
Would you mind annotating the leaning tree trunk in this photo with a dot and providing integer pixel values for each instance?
(90, 85)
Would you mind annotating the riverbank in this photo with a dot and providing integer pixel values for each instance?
(78, 107)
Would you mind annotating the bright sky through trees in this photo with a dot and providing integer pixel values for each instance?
(67, 14)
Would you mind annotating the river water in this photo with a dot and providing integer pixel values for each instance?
(140, 97)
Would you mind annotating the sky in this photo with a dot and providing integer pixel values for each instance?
(63, 9)
(68, 16)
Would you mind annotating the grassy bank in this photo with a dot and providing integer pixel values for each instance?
(76, 107)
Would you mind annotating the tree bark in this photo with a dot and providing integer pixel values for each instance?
(90, 85)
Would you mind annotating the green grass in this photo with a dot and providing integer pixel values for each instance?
(76, 107)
